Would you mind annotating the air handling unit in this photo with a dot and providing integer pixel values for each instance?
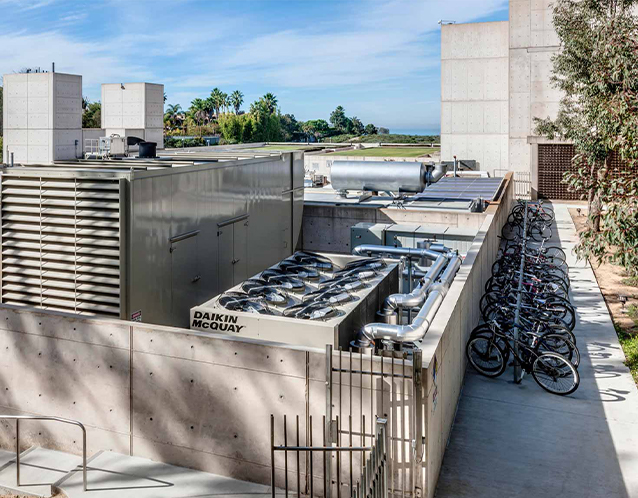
(145, 239)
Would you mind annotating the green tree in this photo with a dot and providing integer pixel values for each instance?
(383, 131)
(92, 115)
(289, 127)
(357, 126)
(1, 125)
(317, 128)
(597, 72)
(236, 100)
(371, 129)
(198, 113)
(217, 99)
(173, 115)
(339, 120)
(231, 127)
(270, 103)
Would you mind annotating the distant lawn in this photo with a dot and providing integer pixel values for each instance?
(387, 152)
(284, 147)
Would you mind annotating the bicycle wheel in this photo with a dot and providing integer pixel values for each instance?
(558, 329)
(555, 252)
(559, 344)
(555, 374)
(511, 231)
(540, 232)
(485, 331)
(485, 356)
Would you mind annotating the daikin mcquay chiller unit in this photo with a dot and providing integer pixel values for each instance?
(145, 240)
(307, 300)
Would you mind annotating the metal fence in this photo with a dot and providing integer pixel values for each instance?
(522, 183)
(343, 456)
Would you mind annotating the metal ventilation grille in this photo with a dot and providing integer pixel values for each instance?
(61, 244)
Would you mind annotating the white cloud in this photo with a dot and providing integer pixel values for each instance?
(388, 41)
(374, 44)
(96, 62)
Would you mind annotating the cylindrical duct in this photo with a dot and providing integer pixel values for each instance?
(378, 176)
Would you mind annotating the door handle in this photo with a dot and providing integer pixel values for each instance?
(196, 279)
(234, 261)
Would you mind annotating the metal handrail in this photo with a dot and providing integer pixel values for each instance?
(17, 418)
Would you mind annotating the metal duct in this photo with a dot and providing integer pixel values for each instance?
(419, 327)
(417, 297)
(436, 173)
(378, 176)
(410, 252)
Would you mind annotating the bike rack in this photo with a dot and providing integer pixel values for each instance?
(518, 373)
(17, 418)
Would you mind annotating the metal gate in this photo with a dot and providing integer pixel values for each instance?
(362, 392)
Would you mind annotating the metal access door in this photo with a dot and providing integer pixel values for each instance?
(184, 276)
(232, 236)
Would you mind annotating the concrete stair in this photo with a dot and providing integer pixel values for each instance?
(112, 475)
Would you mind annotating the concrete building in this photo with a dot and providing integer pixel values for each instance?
(134, 109)
(42, 117)
(495, 79)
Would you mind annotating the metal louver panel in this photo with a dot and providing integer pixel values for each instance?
(61, 244)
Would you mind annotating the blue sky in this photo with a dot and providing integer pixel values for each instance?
(378, 59)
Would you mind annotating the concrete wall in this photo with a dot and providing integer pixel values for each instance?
(42, 117)
(172, 395)
(134, 109)
(443, 347)
(474, 93)
(326, 228)
(533, 41)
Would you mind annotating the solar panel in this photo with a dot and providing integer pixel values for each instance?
(461, 189)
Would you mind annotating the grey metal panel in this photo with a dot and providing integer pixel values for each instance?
(368, 233)
(149, 250)
(225, 258)
(401, 235)
(207, 243)
(240, 248)
(184, 279)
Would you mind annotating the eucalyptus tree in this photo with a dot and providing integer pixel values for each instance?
(596, 69)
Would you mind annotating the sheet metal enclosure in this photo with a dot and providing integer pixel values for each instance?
(178, 235)
(378, 176)
(338, 331)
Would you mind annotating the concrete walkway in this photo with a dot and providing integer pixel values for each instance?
(112, 475)
(512, 440)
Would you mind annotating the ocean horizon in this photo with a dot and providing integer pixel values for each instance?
(414, 131)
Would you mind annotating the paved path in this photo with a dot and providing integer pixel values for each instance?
(513, 440)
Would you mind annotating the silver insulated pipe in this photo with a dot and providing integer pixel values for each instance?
(416, 298)
(421, 323)
(433, 252)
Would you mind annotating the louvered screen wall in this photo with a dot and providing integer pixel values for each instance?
(61, 244)
(555, 159)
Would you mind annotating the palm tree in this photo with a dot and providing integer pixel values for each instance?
(225, 101)
(172, 113)
(217, 98)
(270, 102)
(236, 100)
(198, 112)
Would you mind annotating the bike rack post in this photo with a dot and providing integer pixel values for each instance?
(518, 374)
